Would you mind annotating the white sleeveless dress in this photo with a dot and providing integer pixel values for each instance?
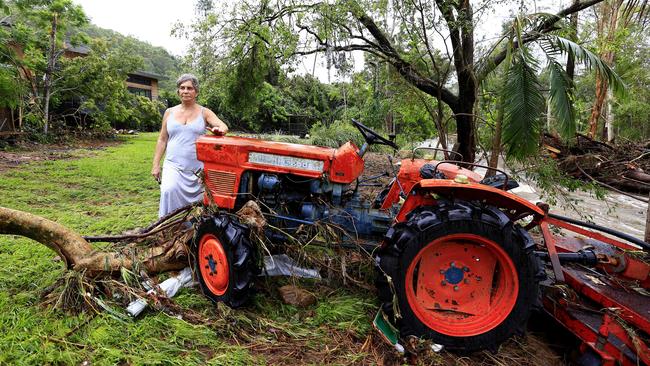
(180, 184)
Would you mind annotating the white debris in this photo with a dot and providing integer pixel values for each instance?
(169, 286)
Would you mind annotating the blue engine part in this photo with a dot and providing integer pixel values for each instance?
(269, 183)
(320, 186)
(355, 217)
(319, 201)
(309, 211)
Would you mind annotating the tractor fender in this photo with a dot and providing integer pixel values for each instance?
(428, 191)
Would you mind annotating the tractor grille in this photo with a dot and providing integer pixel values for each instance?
(221, 183)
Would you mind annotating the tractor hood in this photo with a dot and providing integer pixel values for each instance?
(225, 158)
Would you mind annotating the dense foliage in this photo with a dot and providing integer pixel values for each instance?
(247, 56)
(64, 74)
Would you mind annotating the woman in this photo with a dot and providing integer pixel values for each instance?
(181, 126)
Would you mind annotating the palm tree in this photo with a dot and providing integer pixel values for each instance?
(522, 102)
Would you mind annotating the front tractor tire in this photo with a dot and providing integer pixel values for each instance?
(463, 276)
(225, 260)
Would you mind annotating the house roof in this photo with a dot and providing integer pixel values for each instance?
(149, 75)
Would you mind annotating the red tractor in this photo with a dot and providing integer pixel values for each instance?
(455, 262)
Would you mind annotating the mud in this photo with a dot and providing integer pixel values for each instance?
(31, 152)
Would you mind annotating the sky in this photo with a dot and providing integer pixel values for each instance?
(152, 21)
(146, 20)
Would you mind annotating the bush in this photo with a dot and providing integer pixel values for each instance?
(146, 114)
(335, 135)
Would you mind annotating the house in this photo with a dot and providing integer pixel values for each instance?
(139, 83)
(71, 51)
(143, 83)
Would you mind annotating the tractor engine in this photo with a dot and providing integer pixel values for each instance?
(293, 201)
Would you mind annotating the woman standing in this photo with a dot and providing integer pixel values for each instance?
(181, 126)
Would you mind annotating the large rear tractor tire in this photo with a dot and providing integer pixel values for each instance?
(225, 260)
(463, 276)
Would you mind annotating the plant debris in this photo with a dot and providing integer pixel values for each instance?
(296, 296)
(624, 166)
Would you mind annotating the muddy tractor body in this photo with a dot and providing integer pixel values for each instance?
(455, 261)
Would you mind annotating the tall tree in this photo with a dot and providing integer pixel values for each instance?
(49, 22)
(611, 17)
(607, 24)
(422, 28)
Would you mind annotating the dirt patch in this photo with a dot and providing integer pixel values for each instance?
(29, 152)
(375, 164)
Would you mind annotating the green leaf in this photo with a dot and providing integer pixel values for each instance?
(523, 108)
(554, 45)
(562, 99)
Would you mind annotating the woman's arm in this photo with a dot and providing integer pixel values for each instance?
(215, 124)
(161, 146)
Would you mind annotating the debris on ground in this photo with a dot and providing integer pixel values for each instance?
(296, 296)
(168, 288)
(624, 166)
(283, 265)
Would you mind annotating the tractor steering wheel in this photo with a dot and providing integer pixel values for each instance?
(373, 137)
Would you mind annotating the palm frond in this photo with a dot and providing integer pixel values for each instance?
(562, 99)
(523, 107)
(587, 58)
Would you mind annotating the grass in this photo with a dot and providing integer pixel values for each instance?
(109, 191)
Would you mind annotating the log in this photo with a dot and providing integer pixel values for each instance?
(79, 255)
(638, 176)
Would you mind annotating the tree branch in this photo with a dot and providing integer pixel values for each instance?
(79, 255)
(404, 68)
(454, 35)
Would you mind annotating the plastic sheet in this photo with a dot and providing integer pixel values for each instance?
(283, 265)
(169, 287)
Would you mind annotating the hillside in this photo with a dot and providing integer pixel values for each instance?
(156, 59)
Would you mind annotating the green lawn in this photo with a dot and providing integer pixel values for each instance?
(109, 191)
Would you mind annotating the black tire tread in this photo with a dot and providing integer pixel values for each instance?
(242, 258)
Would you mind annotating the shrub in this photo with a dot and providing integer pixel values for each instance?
(335, 135)
(146, 114)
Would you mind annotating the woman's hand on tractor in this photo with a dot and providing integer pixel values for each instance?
(216, 130)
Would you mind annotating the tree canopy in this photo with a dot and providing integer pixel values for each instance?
(430, 45)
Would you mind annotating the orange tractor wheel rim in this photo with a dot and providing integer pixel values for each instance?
(213, 263)
(462, 285)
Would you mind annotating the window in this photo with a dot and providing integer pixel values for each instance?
(142, 92)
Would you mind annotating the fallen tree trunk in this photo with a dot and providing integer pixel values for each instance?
(79, 255)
